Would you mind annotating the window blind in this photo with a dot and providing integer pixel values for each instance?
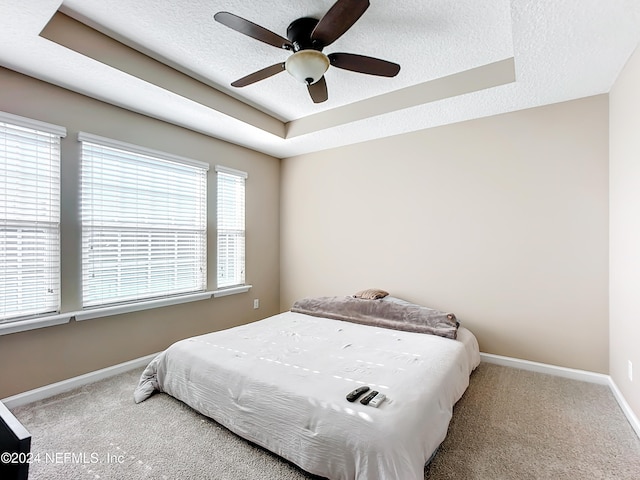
(144, 220)
(29, 217)
(231, 227)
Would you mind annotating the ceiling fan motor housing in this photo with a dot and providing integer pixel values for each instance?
(299, 33)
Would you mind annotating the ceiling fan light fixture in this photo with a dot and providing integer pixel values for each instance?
(307, 66)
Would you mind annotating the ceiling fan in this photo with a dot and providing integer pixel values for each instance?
(306, 38)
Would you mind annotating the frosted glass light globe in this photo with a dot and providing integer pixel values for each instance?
(307, 66)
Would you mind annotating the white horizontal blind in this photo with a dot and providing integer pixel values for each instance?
(143, 225)
(29, 218)
(231, 227)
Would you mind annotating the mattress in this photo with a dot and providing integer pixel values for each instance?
(281, 383)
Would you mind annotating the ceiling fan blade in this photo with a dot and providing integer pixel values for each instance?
(318, 91)
(340, 17)
(363, 64)
(259, 75)
(246, 27)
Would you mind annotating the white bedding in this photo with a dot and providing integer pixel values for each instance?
(281, 382)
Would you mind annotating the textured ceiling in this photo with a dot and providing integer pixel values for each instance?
(459, 60)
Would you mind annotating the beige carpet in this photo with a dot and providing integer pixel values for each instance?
(510, 424)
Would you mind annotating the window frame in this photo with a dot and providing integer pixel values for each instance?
(45, 219)
(133, 154)
(223, 230)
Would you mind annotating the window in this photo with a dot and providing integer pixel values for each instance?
(29, 217)
(231, 234)
(144, 218)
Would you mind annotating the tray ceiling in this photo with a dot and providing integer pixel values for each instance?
(460, 60)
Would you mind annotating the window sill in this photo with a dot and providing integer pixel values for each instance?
(33, 323)
(231, 291)
(81, 315)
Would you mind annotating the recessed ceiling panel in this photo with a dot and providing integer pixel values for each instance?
(555, 51)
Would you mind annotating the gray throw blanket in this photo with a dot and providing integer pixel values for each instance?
(381, 313)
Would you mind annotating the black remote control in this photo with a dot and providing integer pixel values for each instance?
(353, 396)
(368, 398)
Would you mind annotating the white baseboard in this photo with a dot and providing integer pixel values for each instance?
(633, 419)
(582, 375)
(60, 387)
(571, 373)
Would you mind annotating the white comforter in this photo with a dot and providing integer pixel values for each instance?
(281, 383)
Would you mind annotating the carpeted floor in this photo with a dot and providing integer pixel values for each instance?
(510, 424)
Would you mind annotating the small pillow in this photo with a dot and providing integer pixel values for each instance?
(371, 294)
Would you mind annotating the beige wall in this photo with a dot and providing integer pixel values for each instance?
(35, 358)
(624, 273)
(502, 220)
